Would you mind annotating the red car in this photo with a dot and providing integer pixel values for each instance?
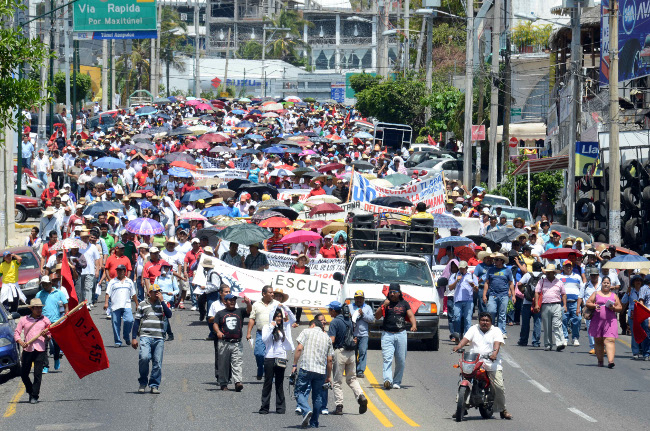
(26, 206)
(29, 272)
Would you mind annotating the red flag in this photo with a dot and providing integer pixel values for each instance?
(82, 343)
(357, 141)
(67, 282)
(431, 141)
(347, 119)
(641, 313)
(414, 303)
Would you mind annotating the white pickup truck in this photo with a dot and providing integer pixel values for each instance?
(370, 272)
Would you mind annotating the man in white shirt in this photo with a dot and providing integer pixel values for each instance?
(86, 283)
(121, 291)
(176, 259)
(487, 339)
(41, 166)
(129, 174)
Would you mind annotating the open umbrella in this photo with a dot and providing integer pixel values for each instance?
(180, 157)
(180, 172)
(198, 145)
(504, 234)
(324, 199)
(325, 209)
(453, 241)
(334, 227)
(192, 215)
(222, 149)
(264, 214)
(397, 179)
(298, 172)
(215, 211)
(245, 234)
(300, 236)
(445, 221)
(628, 261)
(144, 226)
(93, 153)
(560, 253)
(208, 182)
(287, 212)
(494, 246)
(270, 203)
(141, 145)
(465, 252)
(69, 243)
(145, 110)
(109, 163)
(102, 206)
(281, 173)
(363, 135)
(316, 224)
(214, 137)
(331, 167)
(273, 222)
(261, 189)
(195, 195)
(179, 131)
(392, 202)
(160, 161)
(362, 166)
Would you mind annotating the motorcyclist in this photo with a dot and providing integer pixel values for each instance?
(487, 339)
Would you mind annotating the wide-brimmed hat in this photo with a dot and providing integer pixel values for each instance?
(285, 296)
(550, 268)
(518, 219)
(35, 302)
(302, 255)
(208, 263)
(499, 256)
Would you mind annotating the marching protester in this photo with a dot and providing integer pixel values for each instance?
(362, 315)
(149, 325)
(10, 294)
(228, 325)
(604, 323)
(55, 305)
(259, 317)
(32, 334)
(550, 290)
(121, 291)
(169, 288)
(277, 340)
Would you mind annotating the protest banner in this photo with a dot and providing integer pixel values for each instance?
(224, 174)
(305, 290)
(378, 209)
(287, 193)
(347, 207)
(241, 281)
(430, 191)
(210, 162)
(243, 164)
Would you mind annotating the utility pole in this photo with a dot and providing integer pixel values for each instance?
(505, 137)
(407, 26)
(66, 44)
(225, 74)
(576, 65)
(197, 70)
(494, 95)
(152, 66)
(75, 58)
(469, 96)
(418, 57)
(479, 114)
(614, 156)
(381, 47)
(429, 18)
(109, 96)
(158, 34)
(112, 78)
(52, 103)
(105, 74)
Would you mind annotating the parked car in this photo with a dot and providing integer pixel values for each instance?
(422, 156)
(512, 213)
(452, 168)
(29, 272)
(105, 121)
(48, 127)
(31, 185)
(494, 200)
(27, 207)
(9, 350)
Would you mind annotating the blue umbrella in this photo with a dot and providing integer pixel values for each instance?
(146, 110)
(102, 206)
(363, 135)
(180, 172)
(172, 99)
(215, 211)
(628, 261)
(245, 124)
(254, 137)
(255, 111)
(275, 150)
(453, 241)
(146, 204)
(238, 111)
(445, 221)
(195, 195)
(247, 151)
(109, 163)
(293, 150)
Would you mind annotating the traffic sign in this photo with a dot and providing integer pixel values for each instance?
(216, 82)
(124, 17)
(478, 133)
(515, 112)
(513, 142)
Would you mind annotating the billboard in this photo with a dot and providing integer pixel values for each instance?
(114, 19)
(633, 40)
(588, 159)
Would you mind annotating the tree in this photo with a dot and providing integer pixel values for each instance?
(446, 103)
(286, 44)
(551, 182)
(18, 51)
(84, 84)
(132, 68)
(251, 50)
(361, 81)
(173, 37)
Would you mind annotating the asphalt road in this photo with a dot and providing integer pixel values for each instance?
(544, 390)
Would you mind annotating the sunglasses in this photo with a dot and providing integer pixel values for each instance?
(393, 291)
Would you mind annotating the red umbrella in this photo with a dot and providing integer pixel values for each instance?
(316, 224)
(183, 165)
(273, 222)
(326, 209)
(464, 252)
(203, 106)
(560, 253)
(300, 236)
(198, 145)
(333, 137)
(285, 166)
(214, 137)
(331, 167)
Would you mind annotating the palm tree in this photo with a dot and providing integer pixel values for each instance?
(173, 37)
(286, 47)
(133, 68)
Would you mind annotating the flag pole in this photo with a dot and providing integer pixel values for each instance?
(57, 322)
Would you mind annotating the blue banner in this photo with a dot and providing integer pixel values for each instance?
(101, 35)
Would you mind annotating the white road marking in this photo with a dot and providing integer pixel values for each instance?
(539, 386)
(506, 357)
(69, 426)
(582, 415)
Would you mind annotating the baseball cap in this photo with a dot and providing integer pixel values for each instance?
(6, 253)
(155, 288)
(334, 305)
(45, 279)
(154, 250)
(195, 241)
(359, 293)
(394, 286)
(229, 296)
(462, 264)
(119, 245)
(121, 267)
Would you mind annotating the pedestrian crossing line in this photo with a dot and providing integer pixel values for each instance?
(386, 399)
(378, 414)
(11, 409)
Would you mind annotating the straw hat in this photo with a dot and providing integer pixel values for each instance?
(285, 296)
(303, 255)
(35, 302)
(207, 263)
(550, 268)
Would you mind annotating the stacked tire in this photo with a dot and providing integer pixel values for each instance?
(635, 205)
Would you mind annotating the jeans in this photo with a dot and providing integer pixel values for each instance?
(151, 350)
(309, 381)
(193, 297)
(642, 349)
(271, 372)
(497, 306)
(451, 318)
(518, 303)
(570, 318)
(362, 351)
(462, 316)
(478, 301)
(39, 359)
(140, 289)
(259, 351)
(393, 344)
(117, 316)
(592, 342)
(526, 314)
(27, 163)
(43, 177)
(210, 298)
(167, 327)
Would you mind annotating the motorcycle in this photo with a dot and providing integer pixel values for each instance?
(474, 387)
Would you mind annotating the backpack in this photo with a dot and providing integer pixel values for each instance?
(529, 290)
(348, 339)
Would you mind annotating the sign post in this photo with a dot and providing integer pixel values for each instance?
(115, 19)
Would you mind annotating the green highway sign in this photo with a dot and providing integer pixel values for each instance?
(114, 16)
(514, 112)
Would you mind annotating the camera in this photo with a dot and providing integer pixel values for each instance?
(292, 378)
(327, 386)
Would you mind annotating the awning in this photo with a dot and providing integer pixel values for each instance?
(542, 165)
(523, 131)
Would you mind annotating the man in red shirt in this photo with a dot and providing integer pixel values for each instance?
(188, 187)
(47, 251)
(113, 261)
(48, 194)
(328, 250)
(317, 190)
(151, 269)
(141, 177)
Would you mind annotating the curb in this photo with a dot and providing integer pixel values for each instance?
(25, 226)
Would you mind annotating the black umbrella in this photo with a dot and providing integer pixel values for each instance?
(244, 151)
(264, 214)
(163, 115)
(504, 234)
(145, 146)
(287, 212)
(245, 234)
(362, 165)
(222, 149)
(392, 202)
(206, 118)
(157, 130)
(146, 136)
(319, 139)
(179, 131)
(147, 140)
(261, 189)
(211, 234)
(180, 157)
(298, 172)
(94, 153)
(160, 161)
(102, 206)
(478, 239)
(237, 183)
(195, 195)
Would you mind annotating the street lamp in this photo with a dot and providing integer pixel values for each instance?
(221, 35)
(253, 34)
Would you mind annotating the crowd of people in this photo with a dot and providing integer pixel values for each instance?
(132, 208)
